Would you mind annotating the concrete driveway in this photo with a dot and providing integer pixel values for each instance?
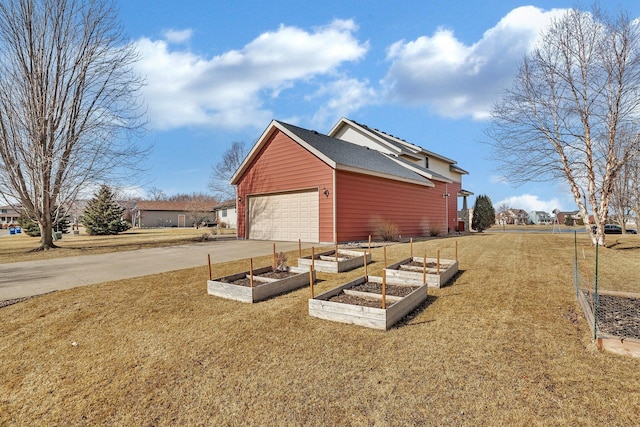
(23, 279)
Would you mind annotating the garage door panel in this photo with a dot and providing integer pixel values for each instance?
(287, 217)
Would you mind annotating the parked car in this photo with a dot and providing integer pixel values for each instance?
(614, 229)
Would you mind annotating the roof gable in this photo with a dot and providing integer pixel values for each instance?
(336, 153)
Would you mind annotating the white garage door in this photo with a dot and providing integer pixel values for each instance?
(287, 217)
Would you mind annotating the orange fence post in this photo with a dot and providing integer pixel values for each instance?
(411, 247)
(311, 281)
(313, 257)
(209, 262)
(299, 249)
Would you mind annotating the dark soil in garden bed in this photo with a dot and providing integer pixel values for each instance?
(354, 300)
(393, 290)
(374, 288)
(619, 316)
(341, 257)
(257, 282)
(429, 265)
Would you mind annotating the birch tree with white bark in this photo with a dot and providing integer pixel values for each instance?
(69, 103)
(572, 114)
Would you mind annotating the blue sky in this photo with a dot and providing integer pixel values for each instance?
(425, 71)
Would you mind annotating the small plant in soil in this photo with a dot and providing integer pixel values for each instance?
(280, 262)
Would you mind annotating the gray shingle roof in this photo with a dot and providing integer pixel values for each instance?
(352, 155)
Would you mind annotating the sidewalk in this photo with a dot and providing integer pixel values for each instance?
(24, 279)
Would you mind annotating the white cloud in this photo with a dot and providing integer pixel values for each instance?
(498, 179)
(529, 202)
(186, 89)
(345, 96)
(455, 79)
(177, 36)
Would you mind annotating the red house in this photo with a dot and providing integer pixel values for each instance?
(299, 184)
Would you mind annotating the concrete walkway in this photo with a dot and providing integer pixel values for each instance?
(24, 279)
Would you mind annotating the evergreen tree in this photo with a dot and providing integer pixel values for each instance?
(484, 216)
(31, 228)
(103, 215)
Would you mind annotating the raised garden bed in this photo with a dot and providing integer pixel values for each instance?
(266, 283)
(410, 271)
(618, 321)
(359, 302)
(326, 261)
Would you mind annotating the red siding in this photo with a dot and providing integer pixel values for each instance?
(365, 201)
(283, 165)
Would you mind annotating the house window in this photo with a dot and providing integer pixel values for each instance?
(3, 211)
(223, 213)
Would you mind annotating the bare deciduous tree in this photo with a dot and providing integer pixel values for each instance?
(69, 103)
(624, 195)
(156, 194)
(572, 113)
(200, 207)
(224, 170)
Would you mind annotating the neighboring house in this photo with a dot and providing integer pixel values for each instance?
(154, 214)
(540, 218)
(513, 217)
(8, 216)
(570, 216)
(226, 213)
(299, 184)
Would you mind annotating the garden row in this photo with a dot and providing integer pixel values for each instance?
(375, 302)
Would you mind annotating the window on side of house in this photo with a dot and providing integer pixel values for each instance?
(223, 213)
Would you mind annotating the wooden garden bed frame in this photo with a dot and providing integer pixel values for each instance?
(327, 263)
(434, 278)
(376, 318)
(264, 288)
(608, 342)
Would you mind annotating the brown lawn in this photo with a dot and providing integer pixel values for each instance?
(19, 247)
(505, 344)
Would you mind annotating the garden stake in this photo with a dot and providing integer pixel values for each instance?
(209, 262)
(251, 272)
(311, 281)
(438, 261)
(411, 248)
(275, 263)
(369, 242)
(384, 289)
(299, 249)
(424, 270)
(384, 249)
(336, 251)
(313, 257)
(366, 276)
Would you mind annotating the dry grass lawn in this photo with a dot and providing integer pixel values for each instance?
(19, 247)
(505, 344)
